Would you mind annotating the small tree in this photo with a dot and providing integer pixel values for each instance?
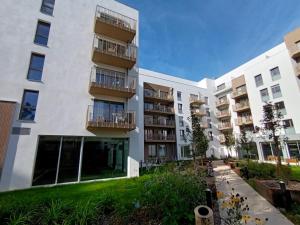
(272, 125)
(229, 142)
(245, 141)
(197, 138)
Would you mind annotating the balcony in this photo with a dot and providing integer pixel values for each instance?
(240, 107)
(222, 103)
(297, 69)
(204, 125)
(159, 109)
(222, 139)
(197, 100)
(240, 121)
(114, 25)
(224, 126)
(160, 138)
(239, 93)
(223, 114)
(160, 123)
(111, 83)
(198, 112)
(158, 96)
(113, 53)
(294, 51)
(96, 120)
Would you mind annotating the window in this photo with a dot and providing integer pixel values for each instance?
(181, 134)
(210, 134)
(275, 73)
(28, 106)
(181, 123)
(258, 80)
(207, 112)
(36, 67)
(108, 111)
(42, 33)
(206, 100)
(280, 107)
(162, 151)
(152, 150)
(276, 91)
(185, 151)
(180, 108)
(47, 6)
(221, 87)
(264, 94)
(209, 123)
(178, 95)
(288, 123)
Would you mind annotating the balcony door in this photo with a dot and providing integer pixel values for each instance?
(110, 78)
(107, 111)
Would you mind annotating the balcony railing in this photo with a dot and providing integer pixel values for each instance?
(222, 138)
(222, 102)
(199, 112)
(113, 83)
(225, 126)
(113, 53)
(160, 137)
(241, 106)
(197, 100)
(222, 114)
(160, 123)
(240, 121)
(239, 93)
(160, 109)
(119, 120)
(158, 95)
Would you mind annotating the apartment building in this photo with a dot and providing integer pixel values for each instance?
(75, 106)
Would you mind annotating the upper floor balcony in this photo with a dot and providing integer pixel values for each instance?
(113, 53)
(111, 83)
(243, 120)
(224, 126)
(294, 51)
(160, 138)
(97, 119)
(222, 103)
(222, 138)
(241, 106)
(159, 109)
(223, 114)
(241, 92)
(159, 123)
(114, 25)
(198, 112)
(195, 100)
(158, 96)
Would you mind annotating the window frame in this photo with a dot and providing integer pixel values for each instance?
(277, 76)
(261, 96)
(180, 110)
(22, 105)
(275, 86)
(261, 80)
(34, 54)
(179, 96)
(41, 22)
(46, 6)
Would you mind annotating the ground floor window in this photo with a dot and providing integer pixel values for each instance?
(250, 153)
(152, 150)
(185, 151)
(294, 149)
(72, 159)
(269, 151)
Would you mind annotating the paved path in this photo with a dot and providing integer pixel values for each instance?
(259, 207)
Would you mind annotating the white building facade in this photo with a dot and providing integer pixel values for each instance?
(74, 106)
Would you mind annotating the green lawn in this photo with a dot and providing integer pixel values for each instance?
(295, 173)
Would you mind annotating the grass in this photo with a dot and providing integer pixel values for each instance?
(295, 173)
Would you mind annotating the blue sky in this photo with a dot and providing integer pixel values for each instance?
(197, 38)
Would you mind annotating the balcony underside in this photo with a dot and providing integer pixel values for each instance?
(244, 123)
(159, 141)
(154, 99)
(158, 112)
(238, 96)
(98, 89)
(222, 105)
(114, 31)
(225, 129)
(197, 102)
(199, 114)
(223, 116)
(243, 109)
(159, 126)
(110, 59)
(97, 126)
(296, 54)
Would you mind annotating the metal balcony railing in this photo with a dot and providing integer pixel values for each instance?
(167, 123)
(96, 117)
(243, 120)
(194, 99)
(241, 105)
(223, 126)
(160, 137)
(239, 92)
(115, 19)
(221, 114)
(159, 108)
(158, 95)
(112, 79)
(222, 102)
(199, 112)
(110, 47)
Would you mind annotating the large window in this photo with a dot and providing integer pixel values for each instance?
(42, 33)
(107, 111)
(258, 80)
(178, 95)
(294, 149)
(185, 151)
(276, 91)
(28, 106)
(35, 70)
(47, 6)
(280, 107)
(58, 159)
(264, 94)
(181, 123)
(275, 73)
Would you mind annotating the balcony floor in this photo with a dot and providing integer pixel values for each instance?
(98, 89)
(96, 126)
